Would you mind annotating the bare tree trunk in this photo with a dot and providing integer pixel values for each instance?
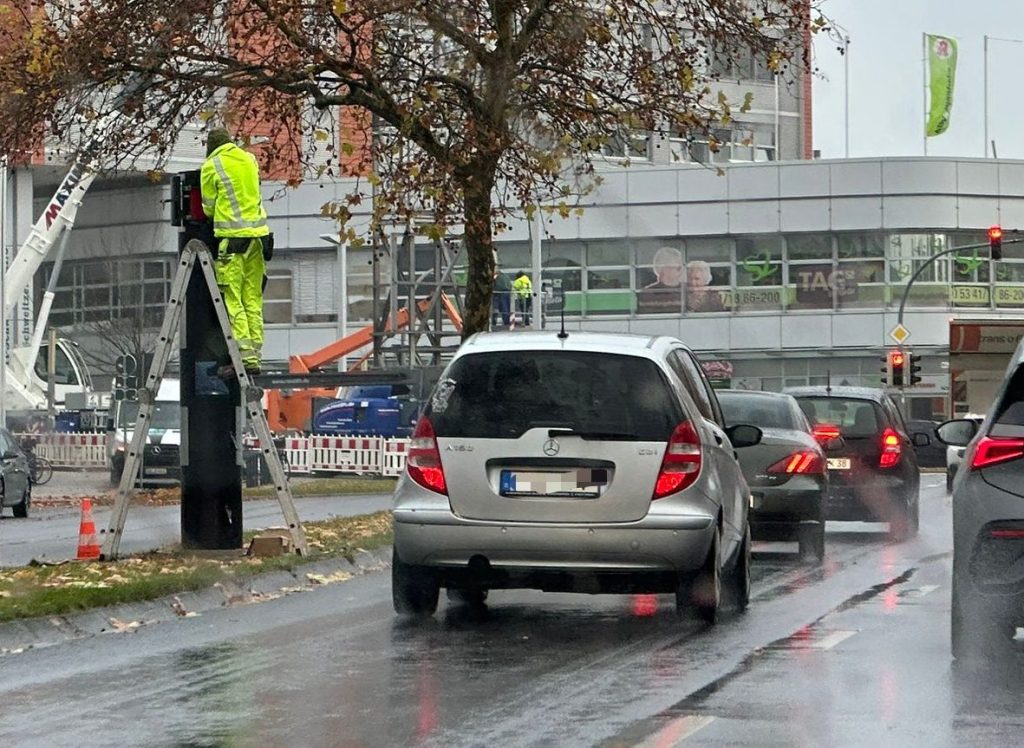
(479, 248)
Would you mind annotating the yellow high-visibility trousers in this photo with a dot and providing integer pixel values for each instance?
(240, 278)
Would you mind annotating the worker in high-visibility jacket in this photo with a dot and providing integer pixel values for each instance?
(230, 184)
(523, 288)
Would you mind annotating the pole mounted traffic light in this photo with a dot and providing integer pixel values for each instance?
(995, 242)
(897, 366)
(913, 366)
(886, 370)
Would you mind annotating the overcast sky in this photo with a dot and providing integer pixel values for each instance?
(887, 80)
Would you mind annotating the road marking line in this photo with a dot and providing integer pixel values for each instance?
(832, 640)
(676, 731)
(923, 590)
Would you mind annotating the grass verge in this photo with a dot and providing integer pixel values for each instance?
(44, 590)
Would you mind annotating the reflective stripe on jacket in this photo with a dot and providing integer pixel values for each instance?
(230, 184)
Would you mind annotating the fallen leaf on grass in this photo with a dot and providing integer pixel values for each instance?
(5, 593)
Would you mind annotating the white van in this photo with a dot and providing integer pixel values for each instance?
(161, 464)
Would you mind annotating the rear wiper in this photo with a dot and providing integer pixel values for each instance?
(594, 435)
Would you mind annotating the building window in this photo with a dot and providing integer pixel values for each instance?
(627, 144)
(724, 146)
(740, 64)
(277, 296)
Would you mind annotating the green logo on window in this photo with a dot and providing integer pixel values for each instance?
(760, 266)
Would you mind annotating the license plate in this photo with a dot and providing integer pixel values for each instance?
(838, 463)
(156, 471)
(580, 483)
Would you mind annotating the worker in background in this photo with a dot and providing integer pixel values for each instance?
(230, 184)
(523, 288)
(502, 299)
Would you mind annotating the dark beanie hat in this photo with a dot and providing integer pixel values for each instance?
(217, 137)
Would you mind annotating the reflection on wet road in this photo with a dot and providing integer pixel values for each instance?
(852, 653)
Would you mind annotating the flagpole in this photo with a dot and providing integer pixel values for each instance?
(924, 69)
(985, 87)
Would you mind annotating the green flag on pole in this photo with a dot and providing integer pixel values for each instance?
(941, 76)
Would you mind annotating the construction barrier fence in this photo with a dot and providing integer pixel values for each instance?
(362, 455)
(70, 450)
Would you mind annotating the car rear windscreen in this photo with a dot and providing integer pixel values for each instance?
(501, 395)
(855, 418)
(762, 411)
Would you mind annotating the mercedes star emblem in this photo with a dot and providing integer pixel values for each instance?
(551, 448)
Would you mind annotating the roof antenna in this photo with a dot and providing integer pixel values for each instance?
(828, 381)
(562, 334)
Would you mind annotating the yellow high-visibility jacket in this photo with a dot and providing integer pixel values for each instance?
(523, 287)
(230, 184)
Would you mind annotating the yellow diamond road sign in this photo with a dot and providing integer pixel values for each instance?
(899, 333)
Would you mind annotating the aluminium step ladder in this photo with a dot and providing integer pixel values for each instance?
(196, 252)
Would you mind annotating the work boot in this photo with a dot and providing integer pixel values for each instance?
(252, 368)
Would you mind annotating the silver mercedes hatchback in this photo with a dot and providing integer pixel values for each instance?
(581, 462)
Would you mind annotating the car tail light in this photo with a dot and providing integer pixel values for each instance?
(424, 459)
(681, 464)
(799, 463)
(892, 449)
(992, 451)
(825, 432)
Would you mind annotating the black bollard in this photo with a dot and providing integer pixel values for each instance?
(211, 450)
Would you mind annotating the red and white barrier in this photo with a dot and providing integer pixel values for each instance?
(392, 456)
(78, 450)
(345, 454)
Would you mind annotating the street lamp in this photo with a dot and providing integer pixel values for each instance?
(341, 288)
(985, 83)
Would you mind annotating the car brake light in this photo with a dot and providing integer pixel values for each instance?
(681, 464)
(892, 449)
(423, 462)
(799, 463)
(825, 432)
(992, 451)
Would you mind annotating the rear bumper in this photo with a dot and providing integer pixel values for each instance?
(780, 510)
(439, 539)
(869, 500)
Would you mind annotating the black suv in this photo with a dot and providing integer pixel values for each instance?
(873, 471)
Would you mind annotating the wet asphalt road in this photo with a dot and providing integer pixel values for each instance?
(51, 534)
(856, 653)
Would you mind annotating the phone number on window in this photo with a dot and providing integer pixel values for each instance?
(1010, 295)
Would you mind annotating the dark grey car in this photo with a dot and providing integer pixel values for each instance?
(785, 471)
(14, 476)
(988, 523)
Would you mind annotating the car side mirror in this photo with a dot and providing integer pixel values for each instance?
(921, 439)
(743, 435)
(956, 433)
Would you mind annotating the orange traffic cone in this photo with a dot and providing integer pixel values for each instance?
(88, 548)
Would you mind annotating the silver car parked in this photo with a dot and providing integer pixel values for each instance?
(586, 462)
(988, 524)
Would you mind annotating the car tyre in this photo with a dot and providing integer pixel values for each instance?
(976, 632)
(414, 590)
(739, 576)
(21, 509)
(701, 593)
(812, 542)
(115, 473)
(949, 482)
(473, 597)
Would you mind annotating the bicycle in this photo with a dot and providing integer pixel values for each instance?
(40, 469)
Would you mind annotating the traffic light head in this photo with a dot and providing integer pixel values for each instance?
(995, 242)
(897, 368)
(913, 366)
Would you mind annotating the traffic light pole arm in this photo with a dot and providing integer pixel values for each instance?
(933, 258)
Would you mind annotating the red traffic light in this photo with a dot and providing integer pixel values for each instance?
(995, 233)
(896, 358)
